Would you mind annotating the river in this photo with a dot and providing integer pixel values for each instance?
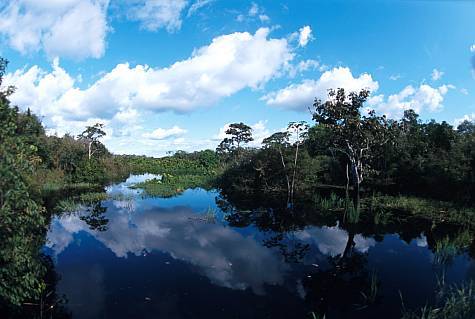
(134, 256)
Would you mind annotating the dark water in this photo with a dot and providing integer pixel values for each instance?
(171, 258)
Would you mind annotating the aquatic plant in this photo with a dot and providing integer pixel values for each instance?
(173, 185)
(93, 197)
(447, 248)
(458, 302)
(68, 206)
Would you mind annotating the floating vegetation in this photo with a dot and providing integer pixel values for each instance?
(68, 206)
(80, 202)
(93, 197)
(172, 185)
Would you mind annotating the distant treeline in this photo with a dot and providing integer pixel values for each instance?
(348, 147)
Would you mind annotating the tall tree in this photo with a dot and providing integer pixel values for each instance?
(355, 135)
(239, 134)
(279, 142)
(91, 136)
(298, 132)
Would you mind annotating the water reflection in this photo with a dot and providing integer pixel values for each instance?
(225, 256)
(152, 255)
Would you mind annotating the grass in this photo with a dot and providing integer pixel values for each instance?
(173, 185)
(458, 302)
(447, 248)
(330, 203)
(76, 203)
(68, 206)
(437, 211)
(92, 197)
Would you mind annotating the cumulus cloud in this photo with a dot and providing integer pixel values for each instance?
(422, 98)
(305, 65)
(229, 64)
(157, 14)
(305, 35)
(466, 117)
(71, 28)
(436, 75)
(300, 96)
(162, 133)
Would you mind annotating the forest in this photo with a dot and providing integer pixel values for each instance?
(346, 159)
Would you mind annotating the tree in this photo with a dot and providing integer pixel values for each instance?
(239, 134)
(90, 136)
(354, 135)
(22, 222)
(299, 130)
(280, 142)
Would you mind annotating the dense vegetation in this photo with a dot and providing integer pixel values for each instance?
(348, 149)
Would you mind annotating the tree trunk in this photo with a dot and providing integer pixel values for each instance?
(89, 150)
(293, 175)
(347, 182)
(356, 181)
(286, 176)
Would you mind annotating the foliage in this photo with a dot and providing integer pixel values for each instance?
(22, 220)
(231, 148)
(90, 137)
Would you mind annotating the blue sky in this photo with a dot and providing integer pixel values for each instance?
(165, 75)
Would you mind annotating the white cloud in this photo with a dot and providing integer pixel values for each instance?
(464, 91)
(198, 4)
(304, 66)
(305, 35)
(162, 133)
(300, 96)
(156, 14)
(264, 18)
(254, 10)
(69, 28)
(472, 48)
(466, 117)
(436, 75)
(423, 98)
(229, 64)
(395, 77)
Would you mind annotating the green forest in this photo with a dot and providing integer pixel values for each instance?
(346, 159)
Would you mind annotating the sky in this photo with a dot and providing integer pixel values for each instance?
(167, 75)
